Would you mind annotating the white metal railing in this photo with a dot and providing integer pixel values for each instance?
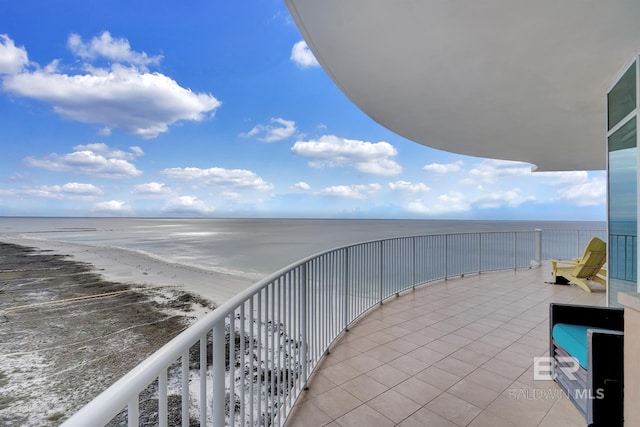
(246, 362)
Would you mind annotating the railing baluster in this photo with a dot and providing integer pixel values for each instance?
(185, 388)
(163, 413)
(203, 380)
(133, 414)
(232, 367)
(217, 355)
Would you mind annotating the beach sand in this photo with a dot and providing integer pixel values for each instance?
(128, 266)
(74, 318)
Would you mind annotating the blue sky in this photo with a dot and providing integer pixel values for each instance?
(218, 109)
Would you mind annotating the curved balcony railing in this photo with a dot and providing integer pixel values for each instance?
(246, 362)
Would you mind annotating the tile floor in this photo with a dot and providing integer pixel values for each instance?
(454, 353)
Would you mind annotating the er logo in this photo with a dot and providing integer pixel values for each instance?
(546, 368)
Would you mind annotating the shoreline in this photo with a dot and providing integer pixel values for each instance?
(139, 268)
(67, 332)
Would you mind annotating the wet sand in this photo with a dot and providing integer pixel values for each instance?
(70, 326)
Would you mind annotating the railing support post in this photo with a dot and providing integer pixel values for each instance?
(538, 247)
(218, 351)
(303, 322)
(446, 256)
(413, 262)
(381, 272)
(346, 289)
(515, 250)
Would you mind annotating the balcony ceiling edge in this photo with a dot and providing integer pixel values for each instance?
(507, 79)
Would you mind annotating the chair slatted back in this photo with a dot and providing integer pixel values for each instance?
(594, 257)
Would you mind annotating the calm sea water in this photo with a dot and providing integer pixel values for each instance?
(259, 246)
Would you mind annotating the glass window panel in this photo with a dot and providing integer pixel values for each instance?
(623, 221)
(622, 98)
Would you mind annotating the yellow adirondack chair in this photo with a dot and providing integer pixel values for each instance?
(589, 267)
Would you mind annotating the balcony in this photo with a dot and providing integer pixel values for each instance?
(441, 326)
(455, 353)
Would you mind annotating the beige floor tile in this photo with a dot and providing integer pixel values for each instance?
(563, 414)
(388, 375)
(426, 355)
(456, 339)
(364, 387)
(455, 366)
(417, 390)
(307, 415)
(442, 346)
(454, 409)
(384, 353)
(409, 364)
(473, 393)
(522, 412)
(336, 402)
(490, 380)
(433, 332)
(487, 419)
(394, 405)
(340, 372)
(470, 333)
(520, 360)
(364, 415)
(482, 347)
(363, 362)
(503, 368)
(438, 377)
(318, 384)
(425, 417)
(495, 341)
(380, 337)
(401, 345)
(470, 356)
(396, 331)
(362, 344)
(418, 338)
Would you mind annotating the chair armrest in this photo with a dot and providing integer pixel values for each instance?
(605, 376)
(586, 315)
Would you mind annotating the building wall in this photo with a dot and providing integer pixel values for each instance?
(622, 147)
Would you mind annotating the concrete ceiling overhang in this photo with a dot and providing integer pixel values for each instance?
(510, 79)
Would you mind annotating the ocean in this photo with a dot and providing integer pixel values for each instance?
(255, 247)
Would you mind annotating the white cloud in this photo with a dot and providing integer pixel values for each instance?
(301, 186)
(151, 189)
(410, 187)
(511, 198)
(365, 157)
(239, 178)
(106, 151)
(453, 202)
(93, 159)
(302, 56)
(231, 196)
(587, 193)
(278, 130)
(105, 46)
(352, 191)
(68, 191)
(12, 59)
(187, 205)
(123, 97)
(490, 171)
(113, 207)
(444, 168)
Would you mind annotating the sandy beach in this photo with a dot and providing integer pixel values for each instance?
(74, 318)
(128, 266)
